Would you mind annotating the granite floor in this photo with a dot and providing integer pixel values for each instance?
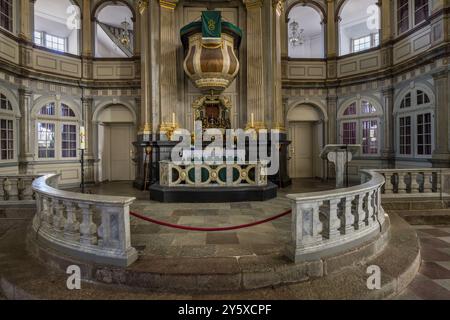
(433, 280)
(151, 239)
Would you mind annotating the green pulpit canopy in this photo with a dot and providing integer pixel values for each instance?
(211, 24)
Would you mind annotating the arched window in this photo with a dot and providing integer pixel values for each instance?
(56, 131)
(6, 14)
(410, 13)
(57, 25)
(359, 26)
(305, 33)
(114, 31)
(415, 124)
(7, 129)
(359, 122)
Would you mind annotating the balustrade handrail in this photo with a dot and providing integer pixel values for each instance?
(41, 185)
(328, 222)
(95, 228)
(376, 180)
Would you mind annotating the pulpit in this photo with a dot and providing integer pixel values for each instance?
(340, 155)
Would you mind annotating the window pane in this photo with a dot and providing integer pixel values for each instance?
(4, 103)
(66, 111)
(351, 110)
(370, 137)
(424, 146)
(349, 133)
(421, 10)
(6, 139)
(6, 14)
(46, 140)
(405, 135)
(367, 107)
(69, 141)
(402, 15)
(48, 110)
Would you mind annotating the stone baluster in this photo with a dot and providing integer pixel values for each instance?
(334, 221)
(88, 228)
(388, 187)
(59, 221)
(427, 185)
(438, 181)
(72, 226)
(414, 183)
(46, 214)
(349, 216)
(361, 212)
(401, 187)
(7, 187)
(380, 211)
(370, 208)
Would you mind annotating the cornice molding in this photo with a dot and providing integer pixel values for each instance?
(250, 4)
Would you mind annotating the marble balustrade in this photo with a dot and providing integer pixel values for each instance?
(415, 181)
(16, 188)
(89, 227)
(323, 222)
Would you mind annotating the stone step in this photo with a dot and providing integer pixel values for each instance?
(23, 277)
(421, 217)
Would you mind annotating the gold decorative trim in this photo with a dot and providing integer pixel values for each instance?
(142, 6)
(145, 129)
(171, 5)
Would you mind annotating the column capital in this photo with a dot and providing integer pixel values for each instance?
(25, 92)
(87, 100)
(387, 91)
(142, 6)
(440, 74)
(250, 4)
(278, 5)
(168, 4)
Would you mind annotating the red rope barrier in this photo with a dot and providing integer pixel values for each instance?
(176, 226)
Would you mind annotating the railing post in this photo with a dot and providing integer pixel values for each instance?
(401, 188)
(59, 221)
(349, 216)
(427, 185)
(72, 226)
(88, 228)
(334, 221)
(388, 187)
(414, 183)
(361, 212)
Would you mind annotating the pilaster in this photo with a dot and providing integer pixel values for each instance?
(441, 154)
(86, 28)
(168, 64)
(26, 148)
(278, 115)
(255, 66)
(388, 152)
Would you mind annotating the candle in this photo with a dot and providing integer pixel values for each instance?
(82, 138)
(253, 120)
(173, 119)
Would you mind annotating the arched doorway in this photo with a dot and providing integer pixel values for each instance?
(116, 133)
(307, 133)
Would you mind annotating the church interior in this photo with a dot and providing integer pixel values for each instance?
(224, 149)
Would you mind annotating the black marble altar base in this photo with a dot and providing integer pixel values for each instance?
(212, 194)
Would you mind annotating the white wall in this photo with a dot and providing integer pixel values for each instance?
(357, 20)
(309, 20)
